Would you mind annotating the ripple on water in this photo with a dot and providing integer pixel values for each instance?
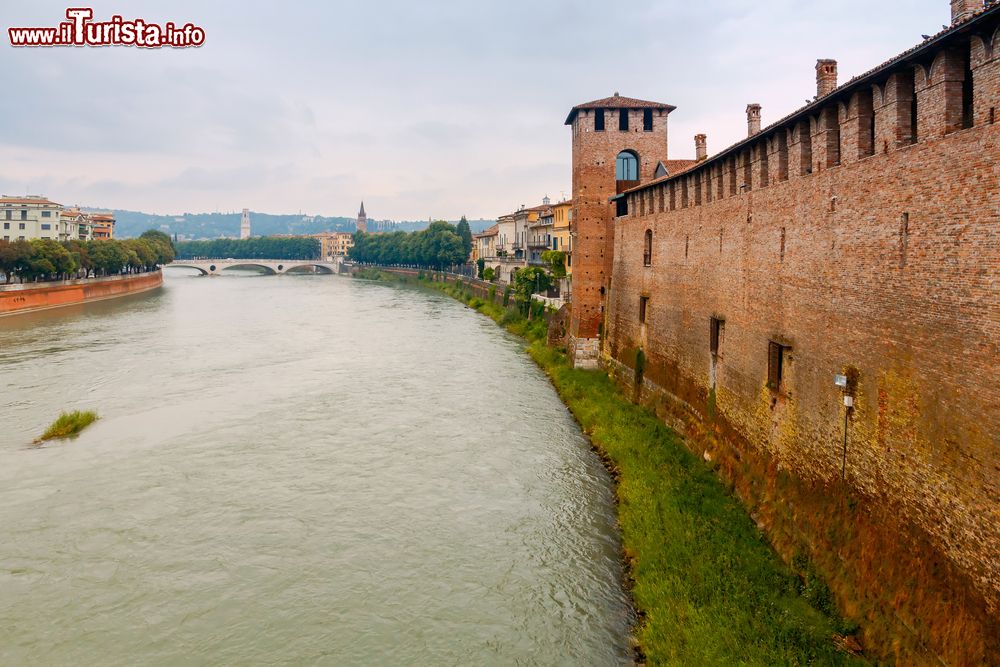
(298, 470)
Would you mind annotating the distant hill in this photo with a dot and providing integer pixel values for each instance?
(215, 225)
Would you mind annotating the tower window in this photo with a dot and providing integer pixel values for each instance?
(647, 120)
(623, 119)
(627, 166)
(643, 306)
(647, 249)
(599, 120)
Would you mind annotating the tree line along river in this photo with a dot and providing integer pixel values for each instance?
(297, 470)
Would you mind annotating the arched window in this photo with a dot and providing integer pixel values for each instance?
(647, 249)
(627, 166)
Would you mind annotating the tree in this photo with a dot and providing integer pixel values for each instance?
(528, 281)
(47, 260)
(12, 256)
(556, 259)
(141, 254)
(465, 233)
(108, 257)
(480, 267)
(489, 274)
(79, 251)
(161, 244)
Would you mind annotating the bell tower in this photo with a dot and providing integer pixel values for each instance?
(362, 222)
(617, 144)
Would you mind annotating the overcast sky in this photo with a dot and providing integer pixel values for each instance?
(421, 108)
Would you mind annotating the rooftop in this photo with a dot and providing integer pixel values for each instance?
(616, 101)
(28, 199)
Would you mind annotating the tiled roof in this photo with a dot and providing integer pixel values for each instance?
(616, 101)
(28, 200)
(490, 231)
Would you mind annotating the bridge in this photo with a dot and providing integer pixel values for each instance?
(213, 267)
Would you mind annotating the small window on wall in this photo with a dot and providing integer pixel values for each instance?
(647, 249)
(599, 120)
(715, 334)
(643, 307)
(775, 364)
(623, 120)
(647, 120)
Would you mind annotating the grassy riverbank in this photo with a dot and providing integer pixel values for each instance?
(68, 424)
(708, 588)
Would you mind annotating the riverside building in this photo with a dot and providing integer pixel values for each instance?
(30, 217)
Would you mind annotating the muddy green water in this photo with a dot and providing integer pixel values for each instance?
(296, 470)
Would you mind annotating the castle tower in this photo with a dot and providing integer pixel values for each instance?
(245, 224)
(362, 219)
(617, 143)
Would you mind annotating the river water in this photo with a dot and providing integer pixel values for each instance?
(296, 470)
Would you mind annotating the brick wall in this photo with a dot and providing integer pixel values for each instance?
(884, 268)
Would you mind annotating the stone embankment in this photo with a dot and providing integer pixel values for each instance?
(16, 299)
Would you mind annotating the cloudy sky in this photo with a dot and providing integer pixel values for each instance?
(432, 108)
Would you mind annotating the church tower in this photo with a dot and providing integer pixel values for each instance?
(362, 219)
(617, 144)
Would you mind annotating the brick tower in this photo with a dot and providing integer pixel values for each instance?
(617, 144)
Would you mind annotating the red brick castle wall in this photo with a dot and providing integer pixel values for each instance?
(833, 244)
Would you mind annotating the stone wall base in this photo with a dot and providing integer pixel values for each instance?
(584, 352)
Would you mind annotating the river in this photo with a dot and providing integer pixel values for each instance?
(296, 470)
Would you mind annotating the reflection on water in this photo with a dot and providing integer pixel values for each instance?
(296, 469)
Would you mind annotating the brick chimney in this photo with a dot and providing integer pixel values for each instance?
(753, 119)
(826, 77)
(700, 147)
(963, 9)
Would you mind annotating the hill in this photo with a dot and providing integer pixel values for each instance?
(216, 225)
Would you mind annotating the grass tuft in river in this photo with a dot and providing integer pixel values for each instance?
(68, 424)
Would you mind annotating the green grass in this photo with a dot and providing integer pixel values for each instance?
(68, 424)
(708, 587)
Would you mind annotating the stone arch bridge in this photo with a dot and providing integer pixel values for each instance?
(213, 267)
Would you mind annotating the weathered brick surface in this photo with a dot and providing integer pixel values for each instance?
(885, 267)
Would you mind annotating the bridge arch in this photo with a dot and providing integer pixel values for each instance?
(305, 267)
(183, 265)
(270, 270)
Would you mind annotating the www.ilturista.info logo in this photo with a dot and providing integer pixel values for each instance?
(80, 30)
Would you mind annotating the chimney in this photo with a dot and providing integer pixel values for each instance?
(753, 119)
(964, 9)
(700, 147)
(826, 77)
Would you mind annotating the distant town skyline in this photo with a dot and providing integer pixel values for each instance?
(435, 109)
